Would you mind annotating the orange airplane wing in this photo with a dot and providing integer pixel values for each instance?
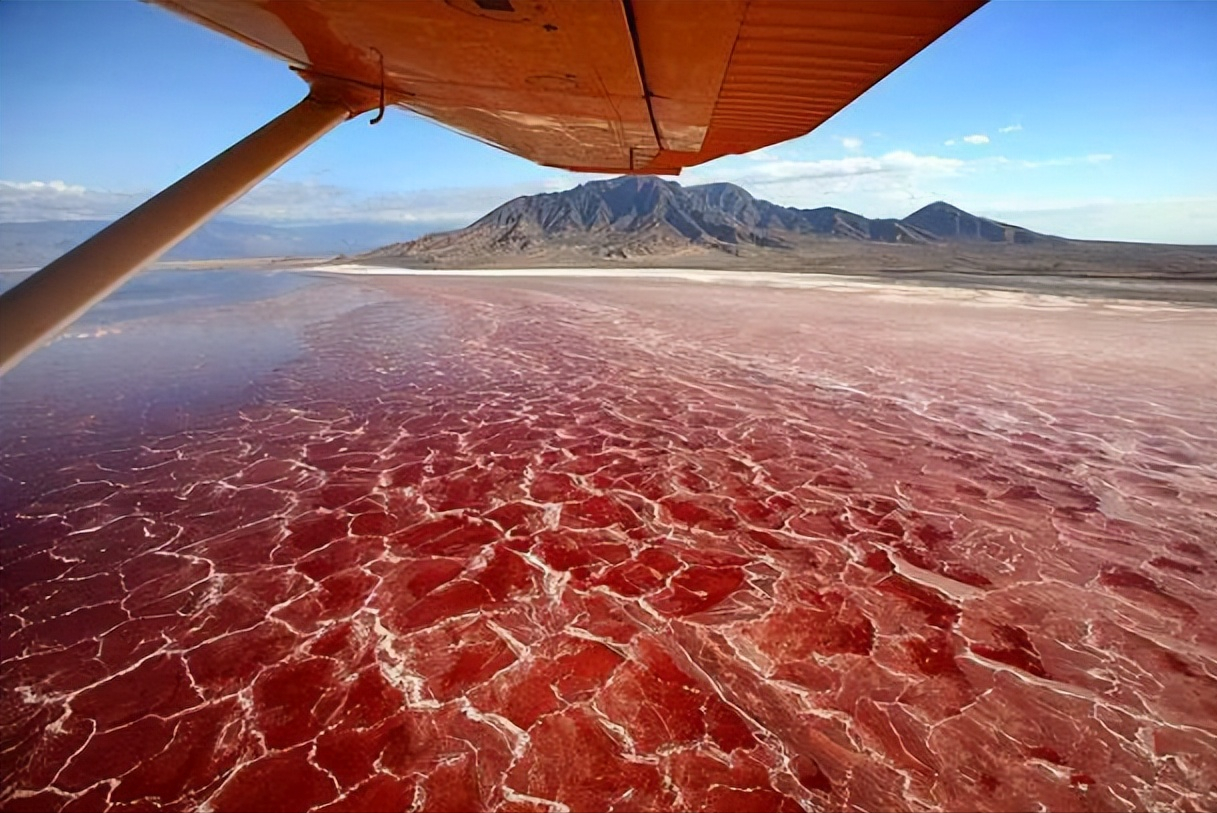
(621, 86)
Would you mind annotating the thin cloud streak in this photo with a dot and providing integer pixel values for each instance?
(889, 185)
(26, 201)
(272, 202)
(1095, 158)
(1184, 220)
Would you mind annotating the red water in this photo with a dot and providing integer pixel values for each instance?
(549, 545)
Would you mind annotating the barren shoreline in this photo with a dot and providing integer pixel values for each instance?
(1044, 292)
(982, 287)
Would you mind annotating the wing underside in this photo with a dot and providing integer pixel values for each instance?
(616, 86)
(620, 86)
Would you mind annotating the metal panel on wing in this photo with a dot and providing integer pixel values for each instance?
(623, 86)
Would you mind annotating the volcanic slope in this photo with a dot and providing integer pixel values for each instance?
(650, 218)
(647, 222)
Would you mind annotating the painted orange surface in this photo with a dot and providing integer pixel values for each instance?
(646, 86)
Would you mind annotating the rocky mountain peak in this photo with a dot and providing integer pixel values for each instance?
(646, 215)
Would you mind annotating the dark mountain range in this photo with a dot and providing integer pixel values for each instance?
(644, 222)
(646, 216)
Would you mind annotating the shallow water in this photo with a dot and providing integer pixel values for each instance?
(529, 544)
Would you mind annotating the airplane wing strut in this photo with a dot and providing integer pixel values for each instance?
(45, 303)
(620, 86)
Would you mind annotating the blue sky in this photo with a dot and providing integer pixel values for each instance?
(1088, 119)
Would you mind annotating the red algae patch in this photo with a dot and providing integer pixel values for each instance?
(554, 545)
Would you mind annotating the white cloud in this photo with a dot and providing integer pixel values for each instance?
(57, 200)
(976, 138)
(763, 154)
(1093, 158)
(851, 143)
(307, 202)
(1162, 220)
(899, 182)
(905, 161)
(47, 186)
(892, 184)
(274, 201)
(888, 185)
(761, 173)
(1013, 128)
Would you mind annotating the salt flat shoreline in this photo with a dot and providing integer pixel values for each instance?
(889, 289)
(1050, 292)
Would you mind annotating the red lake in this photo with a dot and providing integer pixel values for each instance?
(529, 544)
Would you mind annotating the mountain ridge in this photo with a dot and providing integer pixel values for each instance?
(645, 216)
